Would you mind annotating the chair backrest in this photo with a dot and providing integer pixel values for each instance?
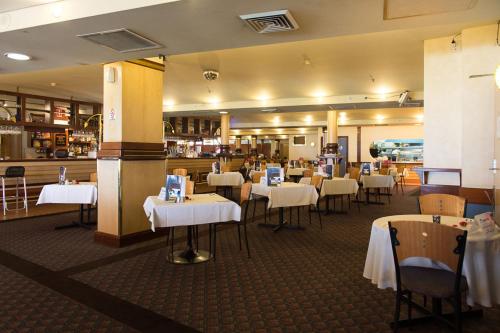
(246, 190)
(14, 171)
(384, 171)
(354, 173)
(189, 187)
(226, 168)
(93, 177)
(180, 172)
(442, 204)
(438, 242)
(257, 176)
(316, 181)
(308, 173)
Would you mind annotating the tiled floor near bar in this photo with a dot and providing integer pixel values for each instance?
(296, 281)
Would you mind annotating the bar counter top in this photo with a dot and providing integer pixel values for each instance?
(46, 160)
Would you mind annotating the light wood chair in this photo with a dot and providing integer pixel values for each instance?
(257, 176)
(226, 168)
(439, 243)
(190, 187)
(354, 173)
(442, 204)
(384, 171)
(180, 172)
(308, 173)
(93, 177)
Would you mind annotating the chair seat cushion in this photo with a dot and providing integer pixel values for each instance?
(432, 282)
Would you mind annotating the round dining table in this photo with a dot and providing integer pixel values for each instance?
(481, 262)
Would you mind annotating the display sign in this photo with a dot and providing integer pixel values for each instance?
(273, 176)
(60, 140)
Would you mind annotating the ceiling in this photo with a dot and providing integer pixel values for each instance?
(8, 5)
(189, 26)
(331, 54)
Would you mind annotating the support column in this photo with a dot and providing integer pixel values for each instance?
(331, 138)
(253, 146)
(238, 144)
(131, 162)
(225, 153)
(320, 141)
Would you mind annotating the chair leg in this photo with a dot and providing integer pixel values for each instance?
(172, 243)
(254, 206)
(210, 239)
(396, 311)
(298, 215)
(319, 217)
(458, 313)
(265, 211)
(310, 215)
(246, 239)
(239, 236)
(409, 305)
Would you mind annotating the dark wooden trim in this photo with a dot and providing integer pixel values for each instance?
(148, 64)
(126, 240)
(358, 141)
(49, 98)
(435, 188)
(132, 151)
(480, 196)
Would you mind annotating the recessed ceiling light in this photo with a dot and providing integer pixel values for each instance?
(17, 56)
(379, 117)
(269, 110)
(53, 84)
(223, 112)
(342, 114)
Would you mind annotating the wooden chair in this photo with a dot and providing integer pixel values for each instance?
(308, 173)
(256, 180)
(246, 191)
(317, 181)
(93, 177)
(384, 171)
(442, 204)
(226, 168)
(439, 243)
(189, 187)
(180, 172)
(354, 173)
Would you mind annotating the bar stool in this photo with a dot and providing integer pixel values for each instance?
(14, 172)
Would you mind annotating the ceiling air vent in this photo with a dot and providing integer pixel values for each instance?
(121, 40)
(276, 21)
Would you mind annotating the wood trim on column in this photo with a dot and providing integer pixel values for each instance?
(126, 240)
(132, 151)
(148, 64)
(358, 141)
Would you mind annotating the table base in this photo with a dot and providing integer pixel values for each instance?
(79, 223)
(189, 256)
(281, 224)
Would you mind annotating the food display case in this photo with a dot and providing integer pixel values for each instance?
(401, 150)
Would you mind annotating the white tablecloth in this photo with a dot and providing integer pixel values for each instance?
(287, 194)
(377, 181)
(85, 193)
(481, 261)
(225, 179)
(339, 186)
(201, 209)
(295, 172)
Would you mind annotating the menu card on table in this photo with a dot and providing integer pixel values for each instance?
(175, 188)
(257, 165)
(329, 170)
(62, 175)
(216, 168)
(366, 168)
(273, 175)
(486, 223)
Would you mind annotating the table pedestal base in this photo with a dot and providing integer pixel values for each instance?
(79, 223)
(189, 256)
(281, 224)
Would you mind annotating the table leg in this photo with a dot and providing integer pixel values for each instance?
(189, 255)
(79, 223)
(282, 223)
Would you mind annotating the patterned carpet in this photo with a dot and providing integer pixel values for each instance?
(295, 281)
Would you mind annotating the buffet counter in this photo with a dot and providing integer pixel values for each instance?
(39, 172)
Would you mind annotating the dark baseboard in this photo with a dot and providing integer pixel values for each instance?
(126, 240)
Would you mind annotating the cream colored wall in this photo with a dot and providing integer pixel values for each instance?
(308, 152)
(459, 111)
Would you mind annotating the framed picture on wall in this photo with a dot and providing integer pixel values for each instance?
(299, 140)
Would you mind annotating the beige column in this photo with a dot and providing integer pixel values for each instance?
(319, 138)
(331, 126)
(131, 162)
(253, 146)
(224, 129)
(238, 142)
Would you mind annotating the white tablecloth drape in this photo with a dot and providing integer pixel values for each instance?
(339, 186)
(85, 193)
(287, 194)
(225, 179)
(481, 262)
(200, 209)
(377, 181)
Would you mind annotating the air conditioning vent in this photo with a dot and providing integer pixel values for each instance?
(276, 21)
(121, 40)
